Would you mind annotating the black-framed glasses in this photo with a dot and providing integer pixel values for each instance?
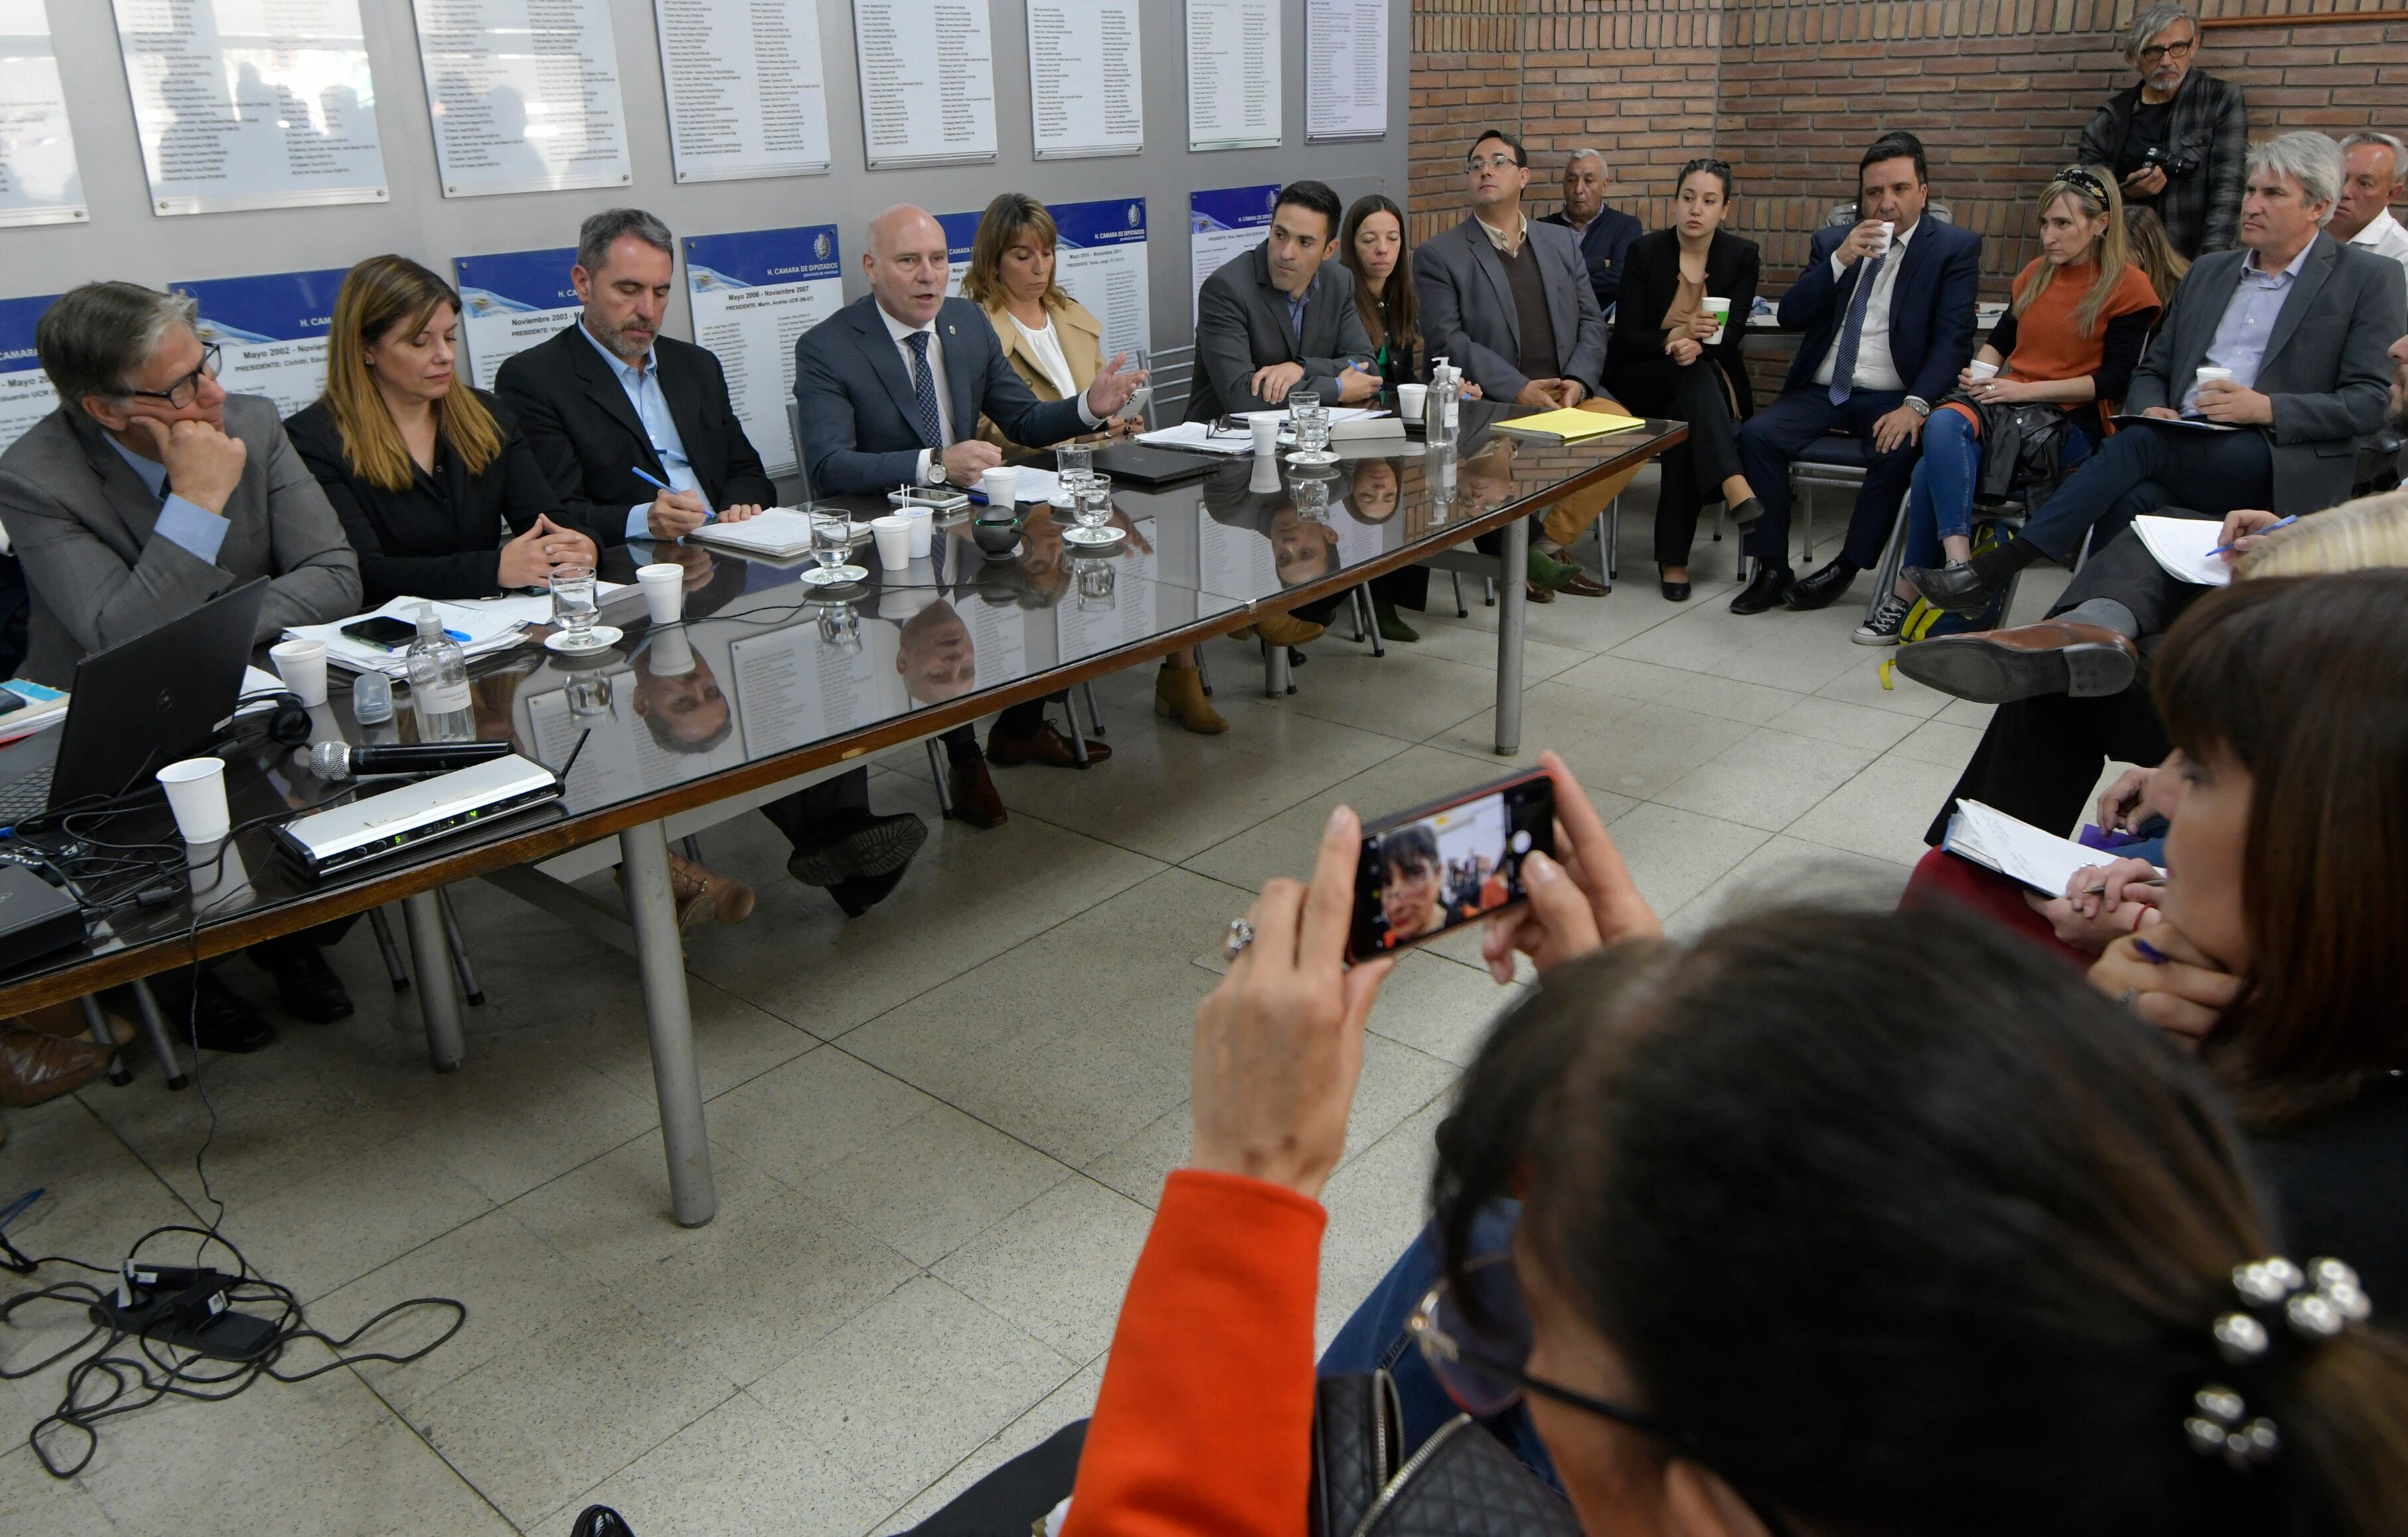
(181, 393)
(2159, 53)
(1482, 1365)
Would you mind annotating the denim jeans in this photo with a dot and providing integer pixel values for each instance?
(1940, 499)
(1375, 1336)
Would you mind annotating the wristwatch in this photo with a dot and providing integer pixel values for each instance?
(1917, 404)
(936, 475)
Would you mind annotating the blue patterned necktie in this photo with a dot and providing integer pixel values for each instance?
(1851, 330)
(923, 392)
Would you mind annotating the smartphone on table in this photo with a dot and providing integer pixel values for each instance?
(1436, 867)
(382, 631)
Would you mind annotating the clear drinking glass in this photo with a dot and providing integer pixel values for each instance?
(839, 627)
(1073, 462)
(1096, 583)
(573, 605)
(1311, 421)
(1095, 505)
(831, 546)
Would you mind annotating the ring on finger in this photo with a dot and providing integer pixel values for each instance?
(1241, 934)
(2127, 996)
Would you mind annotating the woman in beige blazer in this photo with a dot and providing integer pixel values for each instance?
(1057, 346)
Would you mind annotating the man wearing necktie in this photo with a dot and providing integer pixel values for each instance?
(1887, 308)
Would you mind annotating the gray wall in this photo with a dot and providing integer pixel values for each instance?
(123, 240)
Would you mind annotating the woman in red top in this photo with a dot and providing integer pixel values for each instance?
(2081, 314)
(1802, 1249)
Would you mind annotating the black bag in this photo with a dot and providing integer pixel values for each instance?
(1461, 1482)
(2023, 449)
(600, 1521)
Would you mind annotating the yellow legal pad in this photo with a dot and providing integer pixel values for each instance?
(1567, 427)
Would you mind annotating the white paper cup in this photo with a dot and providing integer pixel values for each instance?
(1002, 486)
(1889, 233)
(196, 794)
(924, 525)
(1982, 371)
(664, 588)
(1264, 480)
(302, 664)
(672, 654)
(1720, 311)
(2211, 374)
(1410, 400)
(894, 536)
(1267, 431)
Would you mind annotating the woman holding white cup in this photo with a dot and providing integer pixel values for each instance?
(2070, 339)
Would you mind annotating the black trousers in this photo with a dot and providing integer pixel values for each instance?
(2040, 757)
(2212, 472)
(1696, 394)
(1011, 1501)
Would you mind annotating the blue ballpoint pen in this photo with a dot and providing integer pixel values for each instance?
(708, 514)
(2284, 522)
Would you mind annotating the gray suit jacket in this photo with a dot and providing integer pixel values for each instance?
(2325, 364)
(1470, 318)
(1242, 325)
(81, 521)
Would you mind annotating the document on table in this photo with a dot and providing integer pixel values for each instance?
(525, 94)
(247, 105)
(2016, 849)
(927, 80)
(2188, 424)
(2182, 546)
(1346, 69)
(1087, 86)
(39, 180)
(753, 294)
(1197, 437)
(271, 330)
(747, 90)
(1233, 74)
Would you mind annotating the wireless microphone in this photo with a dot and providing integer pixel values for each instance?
(341, 760)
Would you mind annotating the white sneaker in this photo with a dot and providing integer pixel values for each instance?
(1882, 627)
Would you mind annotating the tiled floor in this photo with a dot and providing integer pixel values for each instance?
(938, 1129)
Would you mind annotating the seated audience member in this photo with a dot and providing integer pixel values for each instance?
(1605, 232)
(421, 467)
(1509, 302)
(1056, 347)
(611, 395)
(1889, 324)
(1794, 1163)
(148, 492)
(2306, 378)
(2071, 338)
(2374, 175)
(2145, 237)
(2177, 140)
(1662, 362)
(1281, 318)
(893, 388)
(1372, 246)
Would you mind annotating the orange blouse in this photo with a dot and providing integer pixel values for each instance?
(2049, 345)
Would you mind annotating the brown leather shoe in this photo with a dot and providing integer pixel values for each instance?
(1282, 629)
(975, 800)
(35, 1067)
(1537, 594)
(68, 1019)
(722, 897)
(1584, 585)
(1178, 695)
(1048, 747)
(1992, 667)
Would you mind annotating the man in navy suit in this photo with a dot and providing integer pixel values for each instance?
(1889, 324)
(1604, 234)
(891, 389)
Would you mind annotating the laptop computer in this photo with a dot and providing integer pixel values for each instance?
(135, 708)
(1144, 464)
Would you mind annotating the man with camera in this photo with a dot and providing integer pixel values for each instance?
(2179, 140)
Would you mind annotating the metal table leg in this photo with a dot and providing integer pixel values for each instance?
(459, 946)
(1078, 731)
(1513, 597)
(644, 856)
(1276, 683)
(386, 947)
(439, 1001)
(1095, 711)
(162, 1042)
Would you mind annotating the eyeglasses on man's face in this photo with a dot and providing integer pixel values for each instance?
(181, 393)
(2159, 53)
(1500, 161)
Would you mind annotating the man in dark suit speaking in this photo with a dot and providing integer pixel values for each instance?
(611, 396)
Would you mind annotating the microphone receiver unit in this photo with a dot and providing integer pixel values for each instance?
(337, 760)
(330, 842)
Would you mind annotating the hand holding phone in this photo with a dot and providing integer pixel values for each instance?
(1580, 902)
(1437, 867)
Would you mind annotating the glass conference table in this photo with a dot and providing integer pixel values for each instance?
(769, 681)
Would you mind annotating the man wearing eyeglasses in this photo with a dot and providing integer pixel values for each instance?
(2179, 140)
(150, 490)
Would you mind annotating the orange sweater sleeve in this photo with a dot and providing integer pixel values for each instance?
(1205, 1421)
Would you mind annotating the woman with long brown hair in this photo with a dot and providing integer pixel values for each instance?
(421, 467)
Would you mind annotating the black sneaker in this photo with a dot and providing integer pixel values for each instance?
(1887, 618)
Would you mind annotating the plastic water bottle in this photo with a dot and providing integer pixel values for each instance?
(1440, 414)
(438, 683)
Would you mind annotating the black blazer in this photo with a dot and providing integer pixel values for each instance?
(860, 431)
(441, 535)
(1636, 369)
(586, 434)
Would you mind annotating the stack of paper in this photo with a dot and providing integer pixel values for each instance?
(44, 707)
(2185, 547)
(480, 629)
(779, 533)
(1567, 427)
(2016, 849)
(1198, 438)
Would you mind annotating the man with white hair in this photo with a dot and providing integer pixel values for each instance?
(2268, 367)
(2178, 140)
(1604, 234)
(2374, 174)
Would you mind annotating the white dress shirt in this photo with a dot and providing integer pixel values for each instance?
(931, 472)
(1045, 346)
(2384, 236)
(1875, 368)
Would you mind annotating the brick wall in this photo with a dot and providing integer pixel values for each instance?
(1790, 91)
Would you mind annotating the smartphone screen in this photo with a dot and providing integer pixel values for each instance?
(383, 631)
(1447, 864)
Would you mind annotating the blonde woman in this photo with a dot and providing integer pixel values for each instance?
(2070, 340)
(1058, 347)
(422, 469)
